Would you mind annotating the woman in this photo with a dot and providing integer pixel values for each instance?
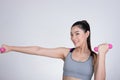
(80, 62)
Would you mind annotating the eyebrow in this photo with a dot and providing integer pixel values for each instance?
(76, 31)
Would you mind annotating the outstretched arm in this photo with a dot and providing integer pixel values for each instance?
(100, 71)
(59, 52)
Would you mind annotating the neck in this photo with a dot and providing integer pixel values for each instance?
(83, 49)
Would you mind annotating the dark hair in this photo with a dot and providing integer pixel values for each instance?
(86, 27)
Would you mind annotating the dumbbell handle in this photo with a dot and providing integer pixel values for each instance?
(110, 47)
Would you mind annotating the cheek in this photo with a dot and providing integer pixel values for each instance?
(82, 39)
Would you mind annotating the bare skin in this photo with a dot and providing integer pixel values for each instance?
(32, 50)
(69, 78)
(81, 52)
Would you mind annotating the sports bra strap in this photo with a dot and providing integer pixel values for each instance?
(71, 50)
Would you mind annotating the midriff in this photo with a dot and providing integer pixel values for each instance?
(69, 78)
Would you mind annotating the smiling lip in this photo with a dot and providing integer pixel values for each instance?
(75, 42)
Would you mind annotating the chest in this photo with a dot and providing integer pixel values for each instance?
(84, 68)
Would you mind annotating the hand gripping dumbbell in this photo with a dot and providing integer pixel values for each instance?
(110, 47)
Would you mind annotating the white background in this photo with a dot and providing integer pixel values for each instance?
(47, 23)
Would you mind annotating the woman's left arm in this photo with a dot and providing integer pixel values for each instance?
(100, 71)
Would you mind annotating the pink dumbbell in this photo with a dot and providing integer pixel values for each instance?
(2, 50)
(110, 47)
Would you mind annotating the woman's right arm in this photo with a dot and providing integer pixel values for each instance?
(59, 52)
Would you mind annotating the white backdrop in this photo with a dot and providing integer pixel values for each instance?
(47, 23)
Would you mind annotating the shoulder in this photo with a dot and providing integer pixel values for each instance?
(65, 50)
(94, 55)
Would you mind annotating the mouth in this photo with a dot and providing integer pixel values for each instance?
(75, 42)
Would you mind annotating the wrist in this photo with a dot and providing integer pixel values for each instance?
(10, 48)
(102, 55)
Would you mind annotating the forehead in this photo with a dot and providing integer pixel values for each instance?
(76, 29)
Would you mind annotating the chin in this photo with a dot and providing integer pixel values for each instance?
(77, 45)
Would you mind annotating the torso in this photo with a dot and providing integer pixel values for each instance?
(74, 66)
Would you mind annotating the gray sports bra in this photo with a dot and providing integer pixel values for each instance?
(80, 70)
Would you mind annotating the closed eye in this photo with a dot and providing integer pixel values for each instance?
(77, 33)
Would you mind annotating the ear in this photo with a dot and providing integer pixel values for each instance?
(87, 34)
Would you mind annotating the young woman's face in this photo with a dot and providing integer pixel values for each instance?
(78, 36)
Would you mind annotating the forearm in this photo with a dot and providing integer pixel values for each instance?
(100, 68)
(25, 49)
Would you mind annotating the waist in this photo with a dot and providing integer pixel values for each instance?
(76, 76)
(70, 78)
